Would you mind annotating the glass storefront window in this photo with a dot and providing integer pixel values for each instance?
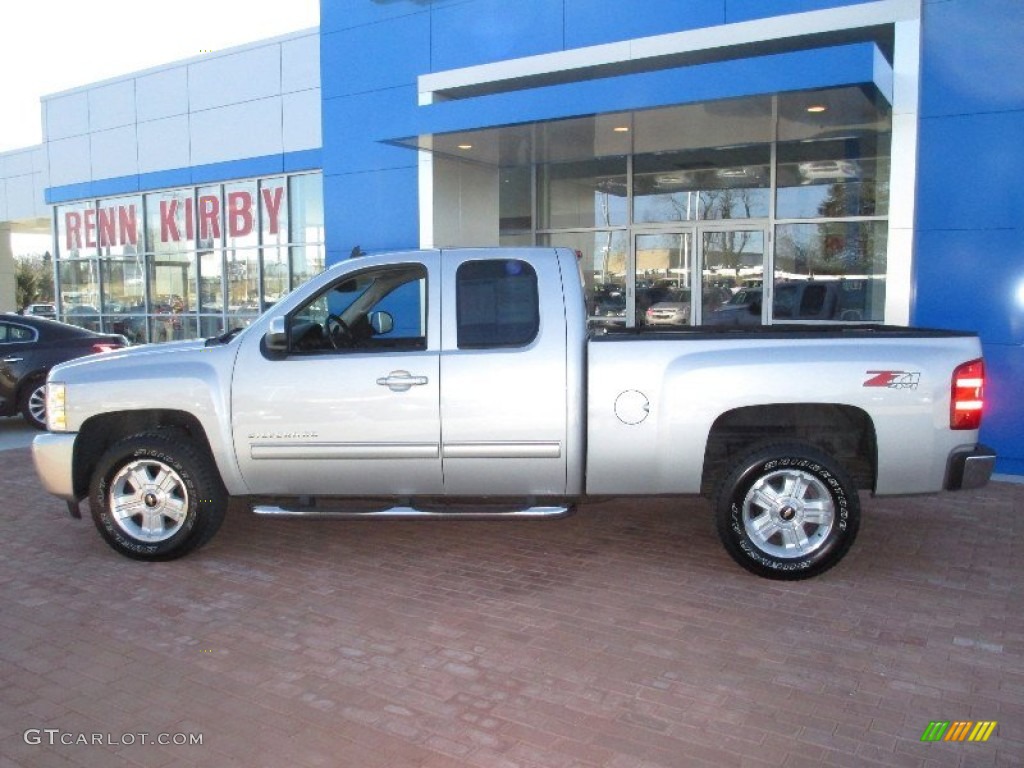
(80, 292)
(211, 281)
(170, 222)
(209, 227)
(111, 228)
(275, 275)
(119, 226)
(71, 230)
(124, 285)
(243, 268)
(241, 228)
(307, 261)
(172, 293)
(175, 263)
(591, 193)
(273, 212)
(604, 263)
(664, 279)
(714, 183)
(845, 260)
(831, 178)
(306, 208)
(515, 200)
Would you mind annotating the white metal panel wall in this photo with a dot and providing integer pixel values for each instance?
(249, 129)
(302, 120)
(234, 78)
(164, 143)
(112, 106)
(251, 101)
(69, 160)
(22, 181)
(162, 94)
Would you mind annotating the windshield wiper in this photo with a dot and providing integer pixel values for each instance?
(224, 338)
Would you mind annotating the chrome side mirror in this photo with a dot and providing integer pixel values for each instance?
(276, 338)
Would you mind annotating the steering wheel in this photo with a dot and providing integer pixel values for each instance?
(338, 332)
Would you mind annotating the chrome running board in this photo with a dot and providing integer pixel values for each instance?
(411, 513)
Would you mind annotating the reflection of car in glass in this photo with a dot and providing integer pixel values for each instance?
(29, 347)
(797, 300)
(744, 308)
(609, 311)
(84, 316)
(41, 310)
(829, 170)
(674, 309)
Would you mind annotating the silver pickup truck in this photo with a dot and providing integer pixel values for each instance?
(463, 384)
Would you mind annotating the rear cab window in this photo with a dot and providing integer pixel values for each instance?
(497, 304)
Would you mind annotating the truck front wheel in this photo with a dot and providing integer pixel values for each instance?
(787, 511)
(156, 496)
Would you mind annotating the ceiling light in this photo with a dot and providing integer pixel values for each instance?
(621, 129)
(465, 146)
(816, 108)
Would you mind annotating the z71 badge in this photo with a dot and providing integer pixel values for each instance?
(893, 379)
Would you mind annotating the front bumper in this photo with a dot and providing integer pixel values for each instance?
(969, 468)
(53, 455)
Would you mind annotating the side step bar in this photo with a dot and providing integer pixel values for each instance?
(411, 513)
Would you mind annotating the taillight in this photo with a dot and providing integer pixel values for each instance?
(104, 347)
(968, 397)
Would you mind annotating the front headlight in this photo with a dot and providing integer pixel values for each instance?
(56, 406)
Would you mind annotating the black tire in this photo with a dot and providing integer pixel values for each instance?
(32, 403)
(787, 511)
(157, 496)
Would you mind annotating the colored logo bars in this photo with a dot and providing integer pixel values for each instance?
(959, 730)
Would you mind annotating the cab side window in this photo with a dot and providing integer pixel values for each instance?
(497, 304)
(380, 309)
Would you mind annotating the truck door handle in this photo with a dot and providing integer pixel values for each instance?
(401, 381)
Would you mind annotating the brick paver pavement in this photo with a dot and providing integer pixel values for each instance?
(621, 637)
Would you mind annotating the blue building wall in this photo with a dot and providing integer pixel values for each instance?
(969, 249)
(372, 52)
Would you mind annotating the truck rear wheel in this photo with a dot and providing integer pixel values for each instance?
(787, 511)
(156, 496)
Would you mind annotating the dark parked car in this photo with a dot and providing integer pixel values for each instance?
(29, 347)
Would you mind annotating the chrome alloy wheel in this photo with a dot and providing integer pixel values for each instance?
(788, 513)
(148, 500)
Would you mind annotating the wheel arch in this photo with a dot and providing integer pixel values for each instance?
(844, 432)
(100, 432)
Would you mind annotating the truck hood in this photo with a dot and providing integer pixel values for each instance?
(167, 354)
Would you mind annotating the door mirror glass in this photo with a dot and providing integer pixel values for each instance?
(382, 322)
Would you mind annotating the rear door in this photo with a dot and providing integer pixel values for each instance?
(504, 399)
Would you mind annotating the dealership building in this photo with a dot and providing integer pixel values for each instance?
(848, 161)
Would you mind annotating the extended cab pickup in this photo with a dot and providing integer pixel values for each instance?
(463, 383)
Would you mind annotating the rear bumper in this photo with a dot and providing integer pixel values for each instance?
(53, 454)
(970, 468)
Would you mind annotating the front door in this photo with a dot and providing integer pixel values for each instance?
(352, 406)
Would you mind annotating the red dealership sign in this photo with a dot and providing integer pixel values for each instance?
(180, 218)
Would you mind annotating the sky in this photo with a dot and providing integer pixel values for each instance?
(47, 46)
